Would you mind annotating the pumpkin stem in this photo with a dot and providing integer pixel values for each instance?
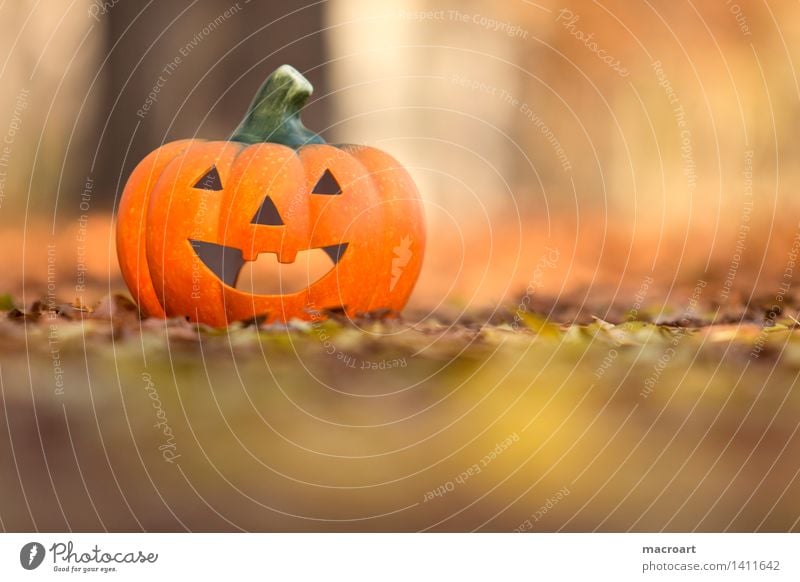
(274, 115)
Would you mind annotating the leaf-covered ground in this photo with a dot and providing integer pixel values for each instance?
(540, 419)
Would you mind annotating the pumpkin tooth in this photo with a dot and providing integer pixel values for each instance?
(224, 262)
(335, 252)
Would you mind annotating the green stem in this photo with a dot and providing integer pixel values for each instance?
(274, 115)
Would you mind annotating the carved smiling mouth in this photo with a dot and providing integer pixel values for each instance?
(265, 275)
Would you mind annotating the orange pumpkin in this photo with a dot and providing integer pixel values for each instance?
(194, 214)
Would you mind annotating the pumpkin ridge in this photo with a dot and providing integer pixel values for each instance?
(166, 210)
(137, 286)
(372, 199)
(379, 164)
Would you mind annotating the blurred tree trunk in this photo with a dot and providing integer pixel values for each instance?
(48, 56)
(189, 69)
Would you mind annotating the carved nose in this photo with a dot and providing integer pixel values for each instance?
(267, 214)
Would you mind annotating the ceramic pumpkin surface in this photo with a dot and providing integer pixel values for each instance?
(196, 214)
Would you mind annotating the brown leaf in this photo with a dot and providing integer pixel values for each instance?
(117, 308)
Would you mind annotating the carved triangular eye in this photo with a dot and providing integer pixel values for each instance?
(210, 181)
(267, 214)
(327, 185)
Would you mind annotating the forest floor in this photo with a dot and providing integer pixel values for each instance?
(543, 415)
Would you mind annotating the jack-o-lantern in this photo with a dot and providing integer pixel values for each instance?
(194, 214)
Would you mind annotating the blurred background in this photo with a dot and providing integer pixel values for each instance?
(635, 139)
(596, 158)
